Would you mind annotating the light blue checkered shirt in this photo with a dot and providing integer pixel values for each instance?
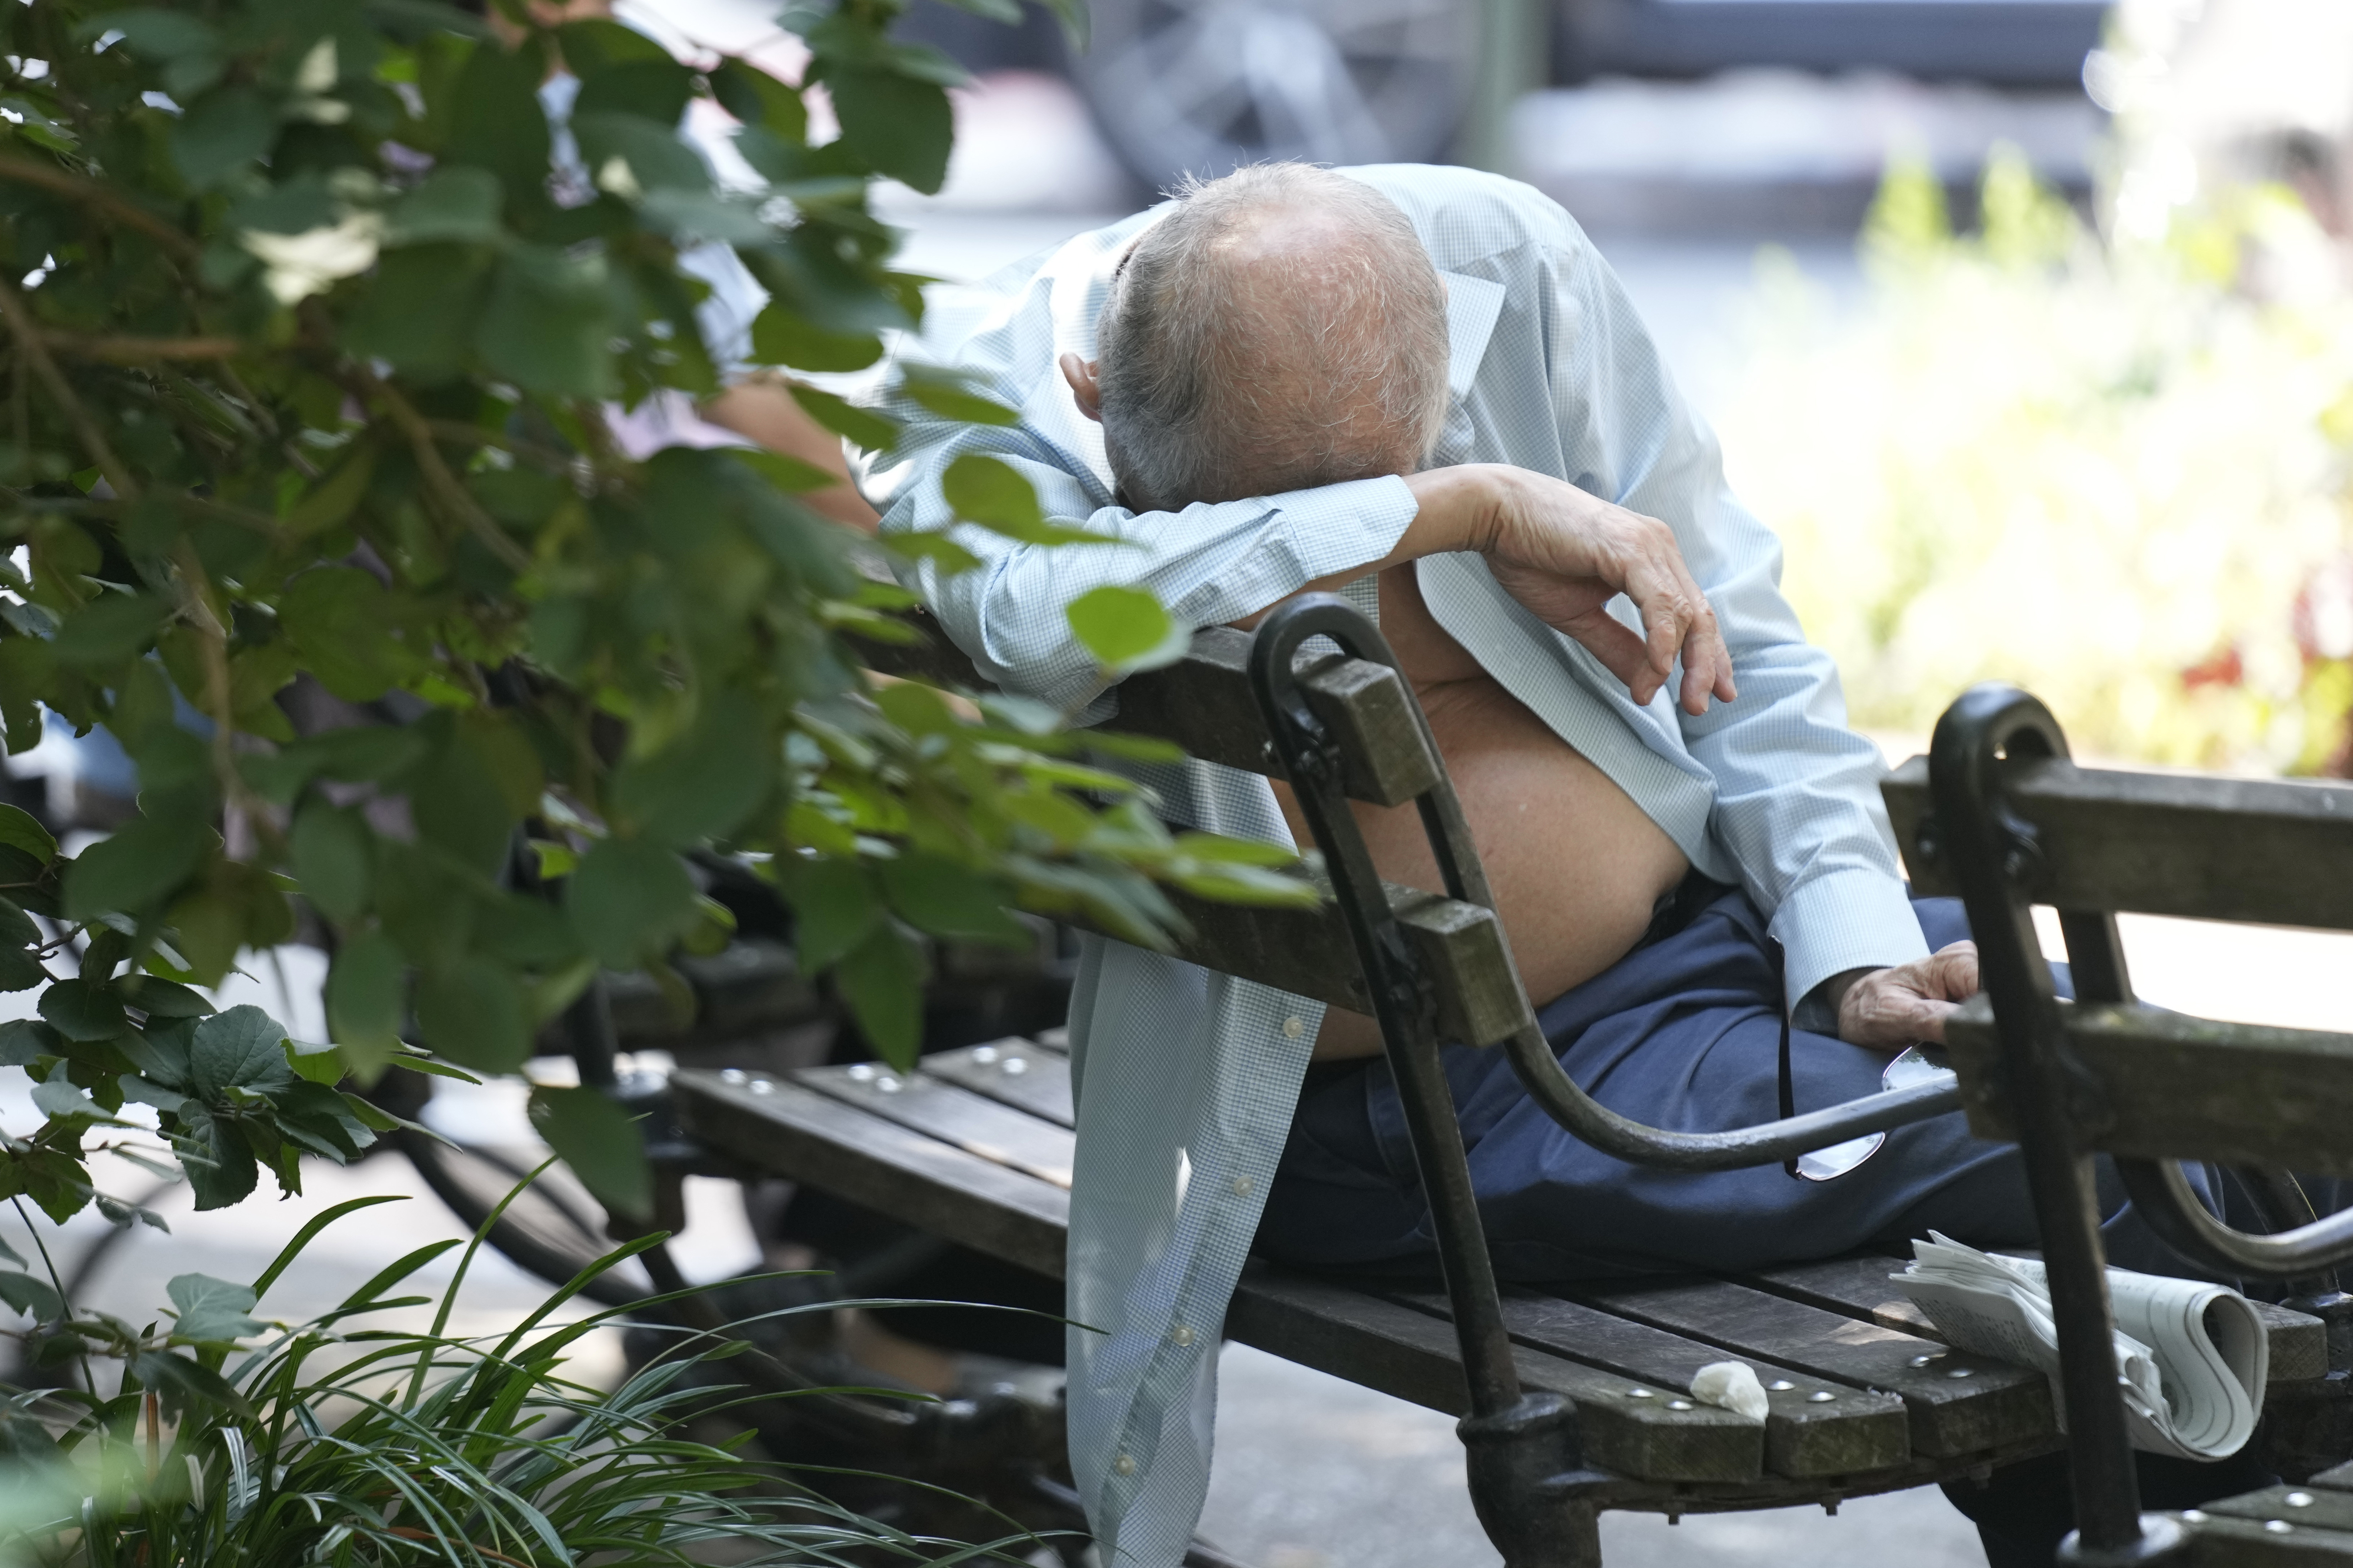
(1188, 1079)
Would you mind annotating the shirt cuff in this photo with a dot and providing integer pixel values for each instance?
(1335, 527)
(1858, 919)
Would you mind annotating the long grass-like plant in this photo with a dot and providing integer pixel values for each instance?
(231, 1441)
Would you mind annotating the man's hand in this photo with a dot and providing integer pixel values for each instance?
(1891, 1009)
(1565, 554)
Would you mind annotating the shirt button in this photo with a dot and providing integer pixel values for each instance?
(1293, 1028)
(1242, 1185)
(1124, 1465)
(1183, 1334)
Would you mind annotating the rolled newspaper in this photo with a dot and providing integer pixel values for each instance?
(2192, 1357)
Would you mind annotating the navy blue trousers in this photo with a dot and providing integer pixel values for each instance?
(1685, 1033)
(1682, 1032)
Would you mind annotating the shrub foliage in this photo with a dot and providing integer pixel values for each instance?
(315, 333)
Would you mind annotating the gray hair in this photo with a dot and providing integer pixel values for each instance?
(1311, 366)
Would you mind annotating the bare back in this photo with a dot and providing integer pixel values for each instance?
(1575, 865)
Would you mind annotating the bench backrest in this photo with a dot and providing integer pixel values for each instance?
(1203, 702)
(2098, 841)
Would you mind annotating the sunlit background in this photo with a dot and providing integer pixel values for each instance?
(2025, 322)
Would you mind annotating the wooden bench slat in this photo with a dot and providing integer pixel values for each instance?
(1851, 1431)
(2184, 1088)
(1039, 1084)
(2338, 1477)
(985, 1127)
(872, 1158)
(2268, 850)
(1204, 703)
(1995, 1405)
(1342, 1330)
(2323, 1508)
(797, 1132)
(1460, 946)
(2223, 1542)
(1858, 1286)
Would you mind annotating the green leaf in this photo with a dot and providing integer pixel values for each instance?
(882, 981)
(1239, 851)
(937, 895)
(948, 397)
(836, 907)
(471, 1011)
(601, 1142)
(597, 43)
(312, 1226)
(496, 121)
(220, 1165)
(784, 473)
(160, 1050)
(364, 1003)
(146, 860)
(706, 782)
(650, 158)
(367, 753)
(986, 491)
(917, 709)
(629, 899)
(756, 98)
(20, 969)
(153, 33)
(79, 1010)
(331, 500)
(314, 1063)
(184, 1383)
(20, 829)
(1237, 884)
(656, 87)
(24, 1042)
(162, 998)
(211, 1310)
(781, 335)
(339, 620)
(902, 128)
(59, 1100)
(458, 805)
(549, 326)
(221, 135)
(296, 206)
(420, 309)
(243, 1048)
(869, 430)
(943, 552)
(34, 1298)
(460, 205)
(1127, 629)
(332, 857)
(320, 1121)
(108, 630)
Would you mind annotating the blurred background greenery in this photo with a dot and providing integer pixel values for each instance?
(2102, 455)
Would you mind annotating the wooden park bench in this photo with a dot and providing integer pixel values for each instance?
(1576, 1398)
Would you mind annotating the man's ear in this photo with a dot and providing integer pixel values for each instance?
(1081, 375)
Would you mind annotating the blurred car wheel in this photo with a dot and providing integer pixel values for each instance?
(1203, 86)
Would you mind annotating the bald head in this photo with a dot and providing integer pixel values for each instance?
(1281, 328)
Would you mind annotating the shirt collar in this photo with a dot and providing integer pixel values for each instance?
(1472, 306)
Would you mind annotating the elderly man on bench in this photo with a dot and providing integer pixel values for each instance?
(1423, 389)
